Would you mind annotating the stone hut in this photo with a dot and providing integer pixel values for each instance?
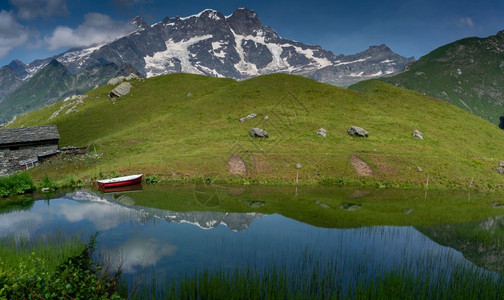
(24, 148)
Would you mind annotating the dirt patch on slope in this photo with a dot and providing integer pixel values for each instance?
(260, 165)
(360, 166)
(237, 166)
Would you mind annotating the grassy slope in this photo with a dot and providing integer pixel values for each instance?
(477, 88)
(157, 129)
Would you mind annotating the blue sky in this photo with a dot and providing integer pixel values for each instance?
(31, 29)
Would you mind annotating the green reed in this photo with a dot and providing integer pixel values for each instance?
(52, 249)
(313, 278)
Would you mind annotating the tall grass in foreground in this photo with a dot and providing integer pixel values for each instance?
(18, 183)
(53, 250)
(54, 271)
(324, 281)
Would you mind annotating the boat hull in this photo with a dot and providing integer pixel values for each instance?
(119, 182)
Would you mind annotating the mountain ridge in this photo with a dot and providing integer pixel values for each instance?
(236, 46)
(467, 73)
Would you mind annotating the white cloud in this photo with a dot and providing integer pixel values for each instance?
(32, 9)
(138, 253)
(12, 34)
(96, 29)
(465, 22)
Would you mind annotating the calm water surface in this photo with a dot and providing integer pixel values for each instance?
(139, 233)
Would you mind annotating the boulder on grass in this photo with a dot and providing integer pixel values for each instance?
(357, 131)
(258, 133)
(322, 132)
(120, 90)
(417, 134)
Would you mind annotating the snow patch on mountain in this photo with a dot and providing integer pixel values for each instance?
(360, 74)
(158, 63)
(320, 62)
(352, 62)
(34, 70)
(208, 71)
(244, 67)
(78, 55)
(218, 49)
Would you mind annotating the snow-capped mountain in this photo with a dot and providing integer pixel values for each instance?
(236, 46)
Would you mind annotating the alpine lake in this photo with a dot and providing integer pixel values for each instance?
(322, 241)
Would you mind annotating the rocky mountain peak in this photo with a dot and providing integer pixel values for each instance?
(212, 15)
(55, 63)
(138, 21)
(244, 21)
(378, 48)
(16, 63)
(18, 67)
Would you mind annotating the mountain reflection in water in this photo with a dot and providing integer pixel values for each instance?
(137, 237)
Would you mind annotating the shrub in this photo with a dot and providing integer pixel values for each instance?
(152, 179)
(48, 183)
(18, 183)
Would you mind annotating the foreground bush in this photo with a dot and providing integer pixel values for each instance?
(18, 183)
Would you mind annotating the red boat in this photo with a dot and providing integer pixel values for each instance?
(120, 181)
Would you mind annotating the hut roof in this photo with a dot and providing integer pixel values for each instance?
(28, 135)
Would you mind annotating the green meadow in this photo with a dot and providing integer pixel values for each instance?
(183, 127)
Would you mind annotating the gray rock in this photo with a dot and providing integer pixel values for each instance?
(251, 116)
(189, 95)
(322, 132)
(120, 90)
(417, 134)
(299, 166)
(500, 170)
(501, 164)
(266, 117)
(115, 80)
(419, 169)
(259, 133)
(357, 131)
(131, 77)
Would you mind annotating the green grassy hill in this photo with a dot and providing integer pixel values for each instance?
(185, 126)
(467, 73)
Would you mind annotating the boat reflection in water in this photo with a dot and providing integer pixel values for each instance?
(123, 189)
